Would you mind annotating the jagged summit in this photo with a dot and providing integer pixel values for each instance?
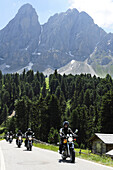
(27, 11)
(74, 10)
(86, 17)
(19, 37)
(26, 8)
(60, 16)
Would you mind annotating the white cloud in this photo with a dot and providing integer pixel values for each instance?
(100, 10)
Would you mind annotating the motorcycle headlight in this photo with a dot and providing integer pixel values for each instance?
(30, 138)
(19, 137)
(70, 139)
(65, 141)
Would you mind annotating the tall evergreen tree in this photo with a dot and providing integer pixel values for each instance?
(54, 112)
(107, 112)
(44, 90)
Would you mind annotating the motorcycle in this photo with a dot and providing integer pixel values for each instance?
(7, 138)
(19, 141)
(29, 143)
(68, 147)
(10, 139)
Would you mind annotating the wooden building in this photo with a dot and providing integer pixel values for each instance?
(110, 153)
(101, 143)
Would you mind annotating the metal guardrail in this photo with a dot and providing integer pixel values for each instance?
(34, 139)
(39, 141)
(2, 137)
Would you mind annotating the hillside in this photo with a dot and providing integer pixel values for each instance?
(43, 104)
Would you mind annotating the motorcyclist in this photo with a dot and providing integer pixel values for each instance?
(7, 136)
(18, 134)
(11, 136)
(63, 132)
(29, 132)
(10, 133)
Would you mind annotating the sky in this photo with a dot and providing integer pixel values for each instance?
(100, 10)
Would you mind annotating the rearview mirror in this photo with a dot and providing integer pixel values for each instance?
(76, 131)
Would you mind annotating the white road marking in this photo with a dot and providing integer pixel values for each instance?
(2, 160)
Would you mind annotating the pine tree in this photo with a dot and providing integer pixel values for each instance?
(107, 113)
(4, 114)
(44, 90)
(54, 113)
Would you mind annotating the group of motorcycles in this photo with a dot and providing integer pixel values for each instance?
(67, 149)
(19, 141)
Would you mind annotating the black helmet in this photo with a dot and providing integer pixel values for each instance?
(29, 129)
(19, 131)
(65, 123)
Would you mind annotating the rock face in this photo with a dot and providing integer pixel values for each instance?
(102, 57)
(19, 38)
(68, 36)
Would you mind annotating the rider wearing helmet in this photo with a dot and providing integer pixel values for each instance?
(63, 132)
(11, 134)
(29, 132)
(7, 136)
(18, 134)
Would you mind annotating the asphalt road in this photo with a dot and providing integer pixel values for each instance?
(13, 158)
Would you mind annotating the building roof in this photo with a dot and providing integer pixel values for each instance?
(110, 153)
(106, 138)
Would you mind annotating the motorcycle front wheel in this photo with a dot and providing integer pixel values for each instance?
(30, 148)
(19, 145)
(73, 156)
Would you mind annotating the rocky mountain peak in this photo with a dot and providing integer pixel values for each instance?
(70, 11)
(17, 39)
(27, 8)
(27, 16)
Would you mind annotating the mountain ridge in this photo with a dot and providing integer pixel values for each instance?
(67, 36)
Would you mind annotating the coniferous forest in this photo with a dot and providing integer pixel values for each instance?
(44, 103)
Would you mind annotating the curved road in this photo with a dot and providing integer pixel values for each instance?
(13, 158)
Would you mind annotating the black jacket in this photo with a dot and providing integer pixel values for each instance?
(65, 131)
(29, 133)
(19, 134)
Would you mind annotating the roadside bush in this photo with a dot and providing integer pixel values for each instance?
(53, 136)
